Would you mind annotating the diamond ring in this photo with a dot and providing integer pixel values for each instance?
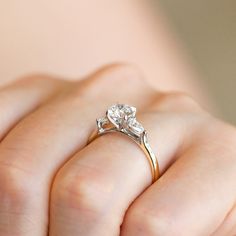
(122, 118)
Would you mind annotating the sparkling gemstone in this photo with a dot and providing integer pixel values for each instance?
(123, 116)
(135, 126)
(101, 122)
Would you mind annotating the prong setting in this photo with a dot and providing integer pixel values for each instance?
(123, 118)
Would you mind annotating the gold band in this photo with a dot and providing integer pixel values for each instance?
(142, 141)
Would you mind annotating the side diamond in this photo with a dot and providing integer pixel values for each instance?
(135, 126)
(101, 122)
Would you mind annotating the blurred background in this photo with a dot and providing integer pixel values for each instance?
(207, 29)
(72, 38)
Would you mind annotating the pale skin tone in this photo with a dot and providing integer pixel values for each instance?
(53, 183)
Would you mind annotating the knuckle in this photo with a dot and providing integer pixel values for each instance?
(42, 80)
(119, 71)
(17, 188)
(177, 101)
(35, 78)
(111, 76)
(118, 75)
(153, 224)
(81, 192)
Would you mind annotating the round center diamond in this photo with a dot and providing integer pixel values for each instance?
(123, 117)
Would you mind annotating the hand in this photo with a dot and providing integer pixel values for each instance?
(52, 183)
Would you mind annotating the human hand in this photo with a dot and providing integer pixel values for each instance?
(52, 183)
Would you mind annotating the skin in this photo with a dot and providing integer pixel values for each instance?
(74, 38)
(52, 183)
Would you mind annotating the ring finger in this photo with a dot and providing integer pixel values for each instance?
(93, 190)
